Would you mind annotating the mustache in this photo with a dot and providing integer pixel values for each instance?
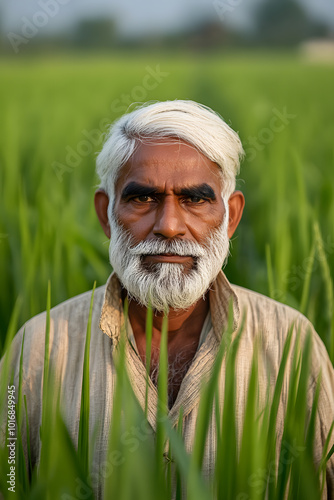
(175, 247)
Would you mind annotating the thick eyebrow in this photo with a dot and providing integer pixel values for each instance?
(135, 189)
(201, 191)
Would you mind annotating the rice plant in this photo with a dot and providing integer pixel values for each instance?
(159, 466)
(284, 248)
(48, 228)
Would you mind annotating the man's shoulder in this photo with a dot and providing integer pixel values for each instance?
(266, 311)
(67, 334)
(70, 316)
(272, 320)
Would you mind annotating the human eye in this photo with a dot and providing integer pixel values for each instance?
(198, 199)
(142, 199)
(195, 200)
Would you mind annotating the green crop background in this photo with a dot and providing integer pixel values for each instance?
(284, 246)
(54, 113)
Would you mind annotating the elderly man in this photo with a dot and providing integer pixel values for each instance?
(167, 201)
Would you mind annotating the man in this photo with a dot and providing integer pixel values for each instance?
(167, 201)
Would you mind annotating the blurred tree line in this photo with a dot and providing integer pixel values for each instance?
(275, 23)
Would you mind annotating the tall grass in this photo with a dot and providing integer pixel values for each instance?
(284, 247)
(48, 228)
(159, 466)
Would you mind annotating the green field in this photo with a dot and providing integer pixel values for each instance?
(53, 116)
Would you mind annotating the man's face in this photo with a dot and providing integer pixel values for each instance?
(169, 190)
(169, 226)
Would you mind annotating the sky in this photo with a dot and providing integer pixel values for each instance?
(142, 17)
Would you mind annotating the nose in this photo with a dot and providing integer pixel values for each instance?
(169, 221)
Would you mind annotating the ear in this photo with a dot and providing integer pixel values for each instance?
(101, 201)
(236, 205)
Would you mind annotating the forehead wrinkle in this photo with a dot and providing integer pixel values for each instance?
(153, 156)
(142, 167)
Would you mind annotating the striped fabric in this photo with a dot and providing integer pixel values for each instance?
(265, 321)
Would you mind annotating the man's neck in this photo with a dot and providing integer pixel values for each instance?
(184, 330)
(184, 326)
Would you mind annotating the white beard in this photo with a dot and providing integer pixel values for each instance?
(167, 285)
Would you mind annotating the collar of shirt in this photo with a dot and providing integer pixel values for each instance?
(207, 325)
(221, 295)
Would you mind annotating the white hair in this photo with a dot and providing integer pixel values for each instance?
(186, 120)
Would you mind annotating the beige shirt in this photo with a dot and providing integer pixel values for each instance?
(263, 317)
